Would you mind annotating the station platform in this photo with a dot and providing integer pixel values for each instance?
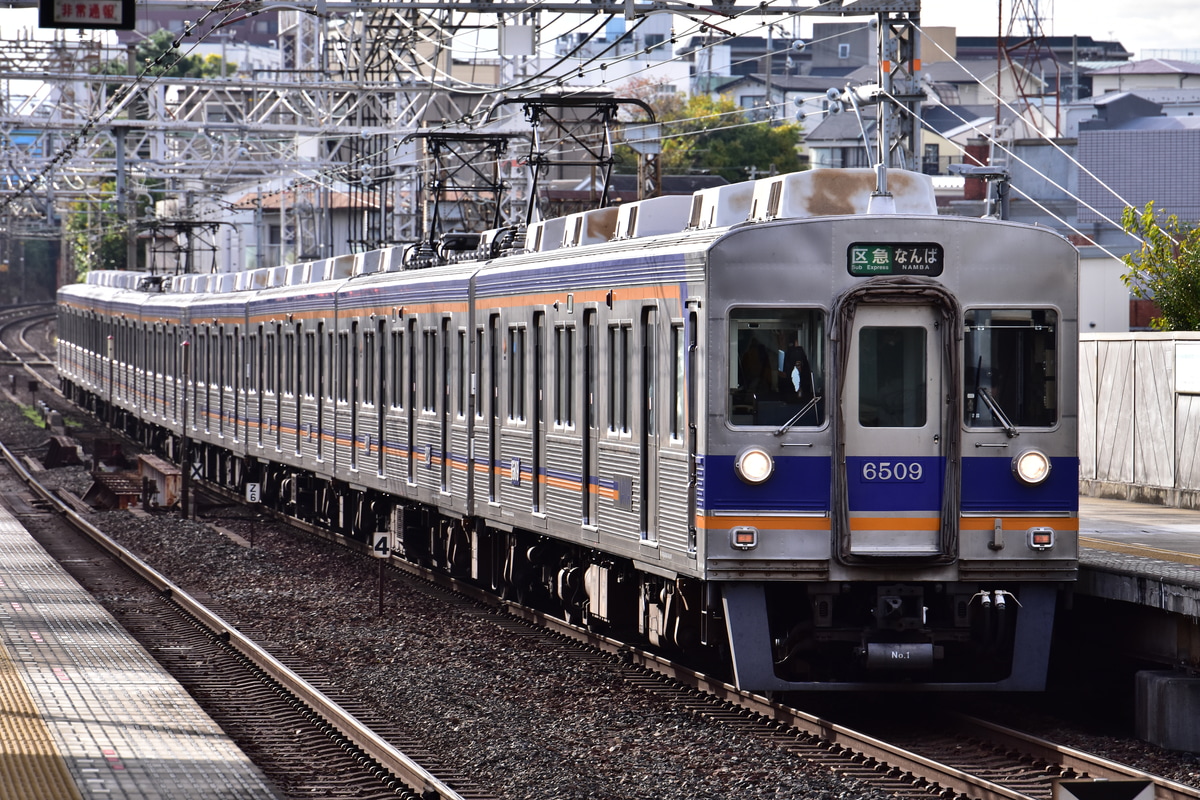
(1140, 553)
(1148, 558)
(1113, 525)
(85, 711)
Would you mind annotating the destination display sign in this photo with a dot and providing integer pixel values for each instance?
(867, 259)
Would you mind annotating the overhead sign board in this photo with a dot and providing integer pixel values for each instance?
(115, 15)
(867, 259)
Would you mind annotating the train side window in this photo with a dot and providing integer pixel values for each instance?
(461, 393)
(777, 358)
(381, 368)
(618, 378)
(649, 386)
(368, 371)
(516, 374)
(477, 379)
(678, 356)
(398, 367)
(564, 376)
(310, 370)
(1010, 368)
(330, 368)
(234, 352)
(202, 359)
(289, 364)
(429, 372)
(343, 374)
(269, 370)
(251, 361)
(446, 371)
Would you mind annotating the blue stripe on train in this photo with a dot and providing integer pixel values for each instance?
(799, 485)
(894, 483)
(988, 486)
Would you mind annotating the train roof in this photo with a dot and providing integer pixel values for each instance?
(659, 231)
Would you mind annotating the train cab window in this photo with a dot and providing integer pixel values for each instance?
(777, 360)
(891, 377)
(1010, 368)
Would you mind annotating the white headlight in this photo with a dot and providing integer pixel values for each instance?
(754, 465)
(1031, 467)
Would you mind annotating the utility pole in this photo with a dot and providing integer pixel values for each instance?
(128, 208)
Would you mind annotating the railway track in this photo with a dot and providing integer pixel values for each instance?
(947, 757)
(308, 743)
(24, 341)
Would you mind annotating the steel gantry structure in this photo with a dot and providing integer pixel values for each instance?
(329, 128)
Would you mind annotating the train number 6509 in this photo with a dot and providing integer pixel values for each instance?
(892, 471)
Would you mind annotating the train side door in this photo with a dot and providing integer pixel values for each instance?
(892, 412)
(589, 425)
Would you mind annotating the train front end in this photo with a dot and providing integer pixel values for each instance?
(888, 489)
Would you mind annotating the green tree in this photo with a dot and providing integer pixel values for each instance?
(706, 135)
(97, 240)
(97, 231)
(158, 50)
(1166, 269)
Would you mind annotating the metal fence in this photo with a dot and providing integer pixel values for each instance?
(1139, 417)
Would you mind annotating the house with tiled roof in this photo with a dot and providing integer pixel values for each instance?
(1151, 73)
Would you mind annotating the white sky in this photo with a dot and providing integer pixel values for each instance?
(1145, 25)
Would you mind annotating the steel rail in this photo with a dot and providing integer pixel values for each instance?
(396, 762)
(1077, 761)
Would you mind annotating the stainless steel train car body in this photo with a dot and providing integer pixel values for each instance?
(796, 437)
(921, 495)
(611, 447)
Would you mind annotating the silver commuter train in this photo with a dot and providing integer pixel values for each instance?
(769, 423)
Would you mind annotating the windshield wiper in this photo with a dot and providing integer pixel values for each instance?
(998, 412)
(787, 426)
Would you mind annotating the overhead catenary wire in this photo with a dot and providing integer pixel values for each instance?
(329, 178)
(120, 98)
(1049, 140)
(1041, 206)
(466, 120)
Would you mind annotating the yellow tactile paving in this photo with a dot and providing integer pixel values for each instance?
(77, 690)
(31, 767)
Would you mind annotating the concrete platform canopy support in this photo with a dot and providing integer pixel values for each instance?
(1168, 705)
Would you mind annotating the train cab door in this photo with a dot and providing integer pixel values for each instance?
(892, 416)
